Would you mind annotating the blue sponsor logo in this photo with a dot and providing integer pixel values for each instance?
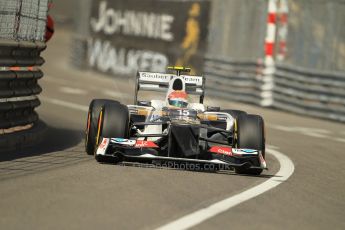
(119, 140)
(249, 150)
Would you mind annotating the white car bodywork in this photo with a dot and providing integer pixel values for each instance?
(145, 143)
(153, 82)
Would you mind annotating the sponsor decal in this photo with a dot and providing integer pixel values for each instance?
(221, 150)
(123, 141)
(145, 144)
(155, 77)
(126, 36)
(249, 150)
(245, 151)
(133, 23)
(193, 80)
(107, 57)
(104, 144)
(102, 148)
(119, 140)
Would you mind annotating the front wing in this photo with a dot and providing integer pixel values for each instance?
(148, 151)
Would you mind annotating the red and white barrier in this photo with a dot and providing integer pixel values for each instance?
(269, 64)
(275, 46)
(283, 11)
(271, 32)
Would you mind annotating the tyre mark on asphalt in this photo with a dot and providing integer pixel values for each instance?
(47, 161)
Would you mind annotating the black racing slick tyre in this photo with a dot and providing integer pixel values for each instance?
(251, 135)
(113, 121)
(92, 121)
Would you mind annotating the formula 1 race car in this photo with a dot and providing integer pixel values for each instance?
(175, 130)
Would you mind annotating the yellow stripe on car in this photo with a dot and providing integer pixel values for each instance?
(99, 126)
(235, 133)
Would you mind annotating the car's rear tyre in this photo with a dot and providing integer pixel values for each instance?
(92, 120)
(113, 121)
(250, 134)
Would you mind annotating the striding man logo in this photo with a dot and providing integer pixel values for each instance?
(191, 40)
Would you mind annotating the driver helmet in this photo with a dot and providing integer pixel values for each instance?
(178, 99)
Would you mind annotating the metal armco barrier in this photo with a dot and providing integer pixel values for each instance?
(19, 83)
(309, 92)
(291, 76)
(237, 80)
(293, 89)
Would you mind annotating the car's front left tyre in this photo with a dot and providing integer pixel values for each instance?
(113, 122)
(92, 121)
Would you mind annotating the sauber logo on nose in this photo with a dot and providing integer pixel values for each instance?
(221, 150)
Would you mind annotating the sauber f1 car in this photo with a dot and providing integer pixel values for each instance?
(174, 129)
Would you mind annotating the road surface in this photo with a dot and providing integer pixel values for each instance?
(57, 186)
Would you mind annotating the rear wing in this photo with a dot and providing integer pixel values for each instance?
(159, 82)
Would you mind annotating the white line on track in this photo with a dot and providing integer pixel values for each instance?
(70, 90)
(313, 132)
(307, 131)
(117, 94)
(286, 170)
(340, 139)
(65, 103)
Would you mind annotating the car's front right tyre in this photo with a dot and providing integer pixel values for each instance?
(250, 134)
